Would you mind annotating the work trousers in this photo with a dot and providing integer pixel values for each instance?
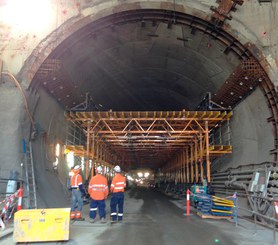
(76, 200)
(97, 204)
(117, 200)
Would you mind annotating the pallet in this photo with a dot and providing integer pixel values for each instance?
(206, 216)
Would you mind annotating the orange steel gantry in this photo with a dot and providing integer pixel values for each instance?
(175, 141)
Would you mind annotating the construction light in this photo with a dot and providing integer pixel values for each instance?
(130, 178)
(140, 175)
(82, 163)
(57, 150)
(70, 159)
(28, 15)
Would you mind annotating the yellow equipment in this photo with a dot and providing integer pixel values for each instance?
(34, 225)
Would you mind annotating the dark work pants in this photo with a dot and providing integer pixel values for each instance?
(117, 200)
(97, 204)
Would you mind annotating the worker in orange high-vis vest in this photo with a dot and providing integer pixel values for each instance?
(77, 190)
(98, 190)
(117, 188)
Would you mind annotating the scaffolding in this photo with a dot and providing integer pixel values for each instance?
(175, 141)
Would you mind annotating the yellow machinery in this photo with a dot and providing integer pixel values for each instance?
(33, 225)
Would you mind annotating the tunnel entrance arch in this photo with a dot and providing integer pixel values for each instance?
(86, 27)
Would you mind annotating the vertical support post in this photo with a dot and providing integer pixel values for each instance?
(93, 155)
(201, 156)
(196, 161)
(187, 165)
(191, 163)
(181, 167)
(207, 151)
(229, 132)
(183, 161)
(88, 151)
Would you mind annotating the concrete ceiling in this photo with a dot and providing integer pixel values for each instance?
(140, 65)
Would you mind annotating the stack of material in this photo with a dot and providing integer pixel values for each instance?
(222, 206)
(205, 204)
(215, 207)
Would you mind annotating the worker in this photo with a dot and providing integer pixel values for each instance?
(117, 201)
(77, 190)
(98, 190)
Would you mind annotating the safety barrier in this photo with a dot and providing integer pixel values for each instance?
(188, 202)
(9, 207)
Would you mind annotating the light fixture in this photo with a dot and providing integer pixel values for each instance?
(140, 174)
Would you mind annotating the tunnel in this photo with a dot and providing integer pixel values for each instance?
(159, 89)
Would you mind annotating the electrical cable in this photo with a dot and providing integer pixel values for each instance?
(24, 96)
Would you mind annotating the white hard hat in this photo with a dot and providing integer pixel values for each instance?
(99, 169)
(117, 169)
(77, 167)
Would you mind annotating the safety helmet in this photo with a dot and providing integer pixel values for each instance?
(99, 169)
(76, 169)
(117, 169)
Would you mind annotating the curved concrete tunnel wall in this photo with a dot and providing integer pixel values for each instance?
(47, 109)
(251, 135)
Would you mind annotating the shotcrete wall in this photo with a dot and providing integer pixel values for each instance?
(11, 109)
(51, 130)
(251, 134)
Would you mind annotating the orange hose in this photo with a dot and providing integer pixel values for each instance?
(24, 96)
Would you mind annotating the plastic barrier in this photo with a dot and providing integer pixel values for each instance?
(188, 202)
(276, 209)
(8, 201)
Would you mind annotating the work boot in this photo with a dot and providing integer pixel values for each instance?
(102, 220)
(72, 215)
(78, 216)
(92, 220)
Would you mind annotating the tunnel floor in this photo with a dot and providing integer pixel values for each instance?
(150, 217)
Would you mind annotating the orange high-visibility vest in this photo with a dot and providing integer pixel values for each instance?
(98, 187)
(118, 183)
(76, 180)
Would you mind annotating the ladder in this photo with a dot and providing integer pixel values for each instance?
(29, 176)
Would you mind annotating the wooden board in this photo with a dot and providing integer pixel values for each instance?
(205, 216)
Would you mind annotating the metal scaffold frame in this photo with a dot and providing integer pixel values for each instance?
(176, 141)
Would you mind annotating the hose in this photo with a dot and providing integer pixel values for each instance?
(24, 97)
